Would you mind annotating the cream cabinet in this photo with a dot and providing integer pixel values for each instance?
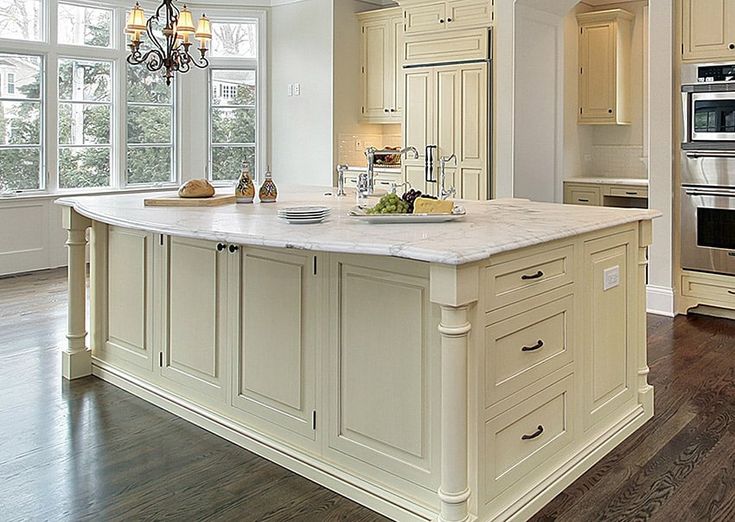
(426, 16)
(382, 74)
(708, 31)
(604, 67)
(447, 106)
(601, 194)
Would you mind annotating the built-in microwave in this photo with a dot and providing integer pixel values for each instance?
(708, 101)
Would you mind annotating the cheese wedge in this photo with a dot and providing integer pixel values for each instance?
(432, 206)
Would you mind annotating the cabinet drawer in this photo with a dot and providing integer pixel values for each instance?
(432, 48)
(528, 435)
(710, 289)
(584, 196)
(528, 276)
(528, 346)
(629, 192)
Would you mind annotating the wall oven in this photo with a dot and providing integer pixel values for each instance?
(708, 100)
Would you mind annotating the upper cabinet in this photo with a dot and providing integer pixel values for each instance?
(422, 16)
(382, 77)
(709, 30)
(604, 67)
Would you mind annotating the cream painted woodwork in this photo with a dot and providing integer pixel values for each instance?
(401, 384)
(604, 67)
(431, 16)
(607, 325)
(275, 339)
(459, 46)
(447, 106)
(703, 289)
(708, 32)
(603, 194)
(383, 180)
(382, 73)
(194, 321)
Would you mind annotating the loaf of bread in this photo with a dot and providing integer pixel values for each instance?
(196, 188)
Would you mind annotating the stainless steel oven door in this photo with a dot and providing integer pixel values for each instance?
(708, 229)
(712, 116)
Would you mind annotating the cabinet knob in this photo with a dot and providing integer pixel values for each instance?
(449, 20)
(441, 20)
(732, 46)
(609, 111)
(234, 248)
(386, 110)
(221, 247)
(392, 110)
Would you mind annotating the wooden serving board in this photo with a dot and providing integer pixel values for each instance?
(175, 201)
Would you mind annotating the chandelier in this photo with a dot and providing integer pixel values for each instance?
(178, 29)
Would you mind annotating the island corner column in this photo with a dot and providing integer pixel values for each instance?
(645, 390)
(454, 289)
(76, 359)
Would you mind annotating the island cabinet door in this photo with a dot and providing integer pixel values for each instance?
(274, 304)
(609, 327)
(122, 298)
(383, 370)
(194, 318)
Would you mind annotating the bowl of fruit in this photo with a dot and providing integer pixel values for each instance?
(412, 207)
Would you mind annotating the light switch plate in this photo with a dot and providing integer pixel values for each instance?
(612, 278)
(290, 89)
(297, 89)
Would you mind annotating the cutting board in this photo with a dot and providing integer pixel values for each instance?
(175, 201)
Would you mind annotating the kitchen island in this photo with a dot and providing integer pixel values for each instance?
(458, 371)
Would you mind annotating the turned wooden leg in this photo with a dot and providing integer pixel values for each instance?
(645, 390)
(76, 359)
(454, 289)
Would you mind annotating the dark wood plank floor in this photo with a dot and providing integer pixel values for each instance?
(89, 451)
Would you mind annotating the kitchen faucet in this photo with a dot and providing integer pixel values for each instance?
(445, 193)
(366, 180)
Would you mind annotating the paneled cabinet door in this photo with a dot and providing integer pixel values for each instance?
(608, 325)
(424, 18)
(597, 71)
(709, 30)
(472, 139)
(419, 123)
(275, 332)
(123, 300)
(194, 319)
(465, 14)
(377, 76)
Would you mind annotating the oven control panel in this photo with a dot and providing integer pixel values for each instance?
(716, 73)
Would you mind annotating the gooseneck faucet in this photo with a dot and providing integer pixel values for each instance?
(366, 180)
(445, 193)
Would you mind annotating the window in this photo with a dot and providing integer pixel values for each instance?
(21, 19)
(85, 123)
(11, 83)
(82, 25)
(150, 127)
(21, 132)
(233, 123)
(235, 40)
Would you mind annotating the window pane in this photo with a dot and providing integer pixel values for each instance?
(20, 123)
(80, 25)
(84, 80)
(81, 124)
(147, 124)
(233, 125)
(227, 161)
(230, 87)
(20, 19)
(145, 86)
(84, 167)
(149, 165)
(25, 73)
(20, 169)
(238, 40)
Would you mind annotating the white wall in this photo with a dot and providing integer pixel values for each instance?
(301, 132)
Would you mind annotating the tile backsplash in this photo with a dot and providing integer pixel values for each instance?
(615, 161)
(352, 146)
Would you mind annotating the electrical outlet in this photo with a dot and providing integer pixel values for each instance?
(611, 278)
(297, 89)
(290, 89)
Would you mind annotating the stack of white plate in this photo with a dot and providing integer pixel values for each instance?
(304, 215)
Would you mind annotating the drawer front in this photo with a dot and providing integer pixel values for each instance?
(425, 18)
(527, 436)
(528, 276)
(528, 346)
(704, 288)
(584, 197)
(465, 14)
(629, 192)
(432, 48)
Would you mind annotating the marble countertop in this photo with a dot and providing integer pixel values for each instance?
(637, 182)
(490, 228)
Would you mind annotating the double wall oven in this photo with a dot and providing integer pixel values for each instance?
(708, 169)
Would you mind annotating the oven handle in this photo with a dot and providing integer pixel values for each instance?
(711, 193)
(711, 154)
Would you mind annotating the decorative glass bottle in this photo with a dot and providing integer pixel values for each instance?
(245, 190)
(268, 191)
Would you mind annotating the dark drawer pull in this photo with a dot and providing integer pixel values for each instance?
(221, 247)
(534, 435)
(731, 292)
(537, 275)
(583, 200)
(234, 249)
(537, 346)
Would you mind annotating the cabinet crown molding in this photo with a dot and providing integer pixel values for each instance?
(608, 15)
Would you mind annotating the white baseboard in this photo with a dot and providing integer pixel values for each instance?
(660, 300)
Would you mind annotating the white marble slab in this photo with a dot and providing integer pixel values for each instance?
(490, 227)
(636, 182)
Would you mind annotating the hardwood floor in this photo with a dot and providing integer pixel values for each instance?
(89, 451)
